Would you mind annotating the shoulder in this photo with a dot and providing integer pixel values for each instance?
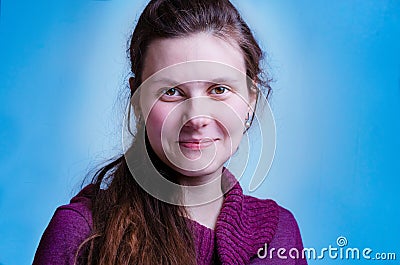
(77, 214)
(80, 206)
(286, 220)
(288, 229)
(69, 226)
(286, 233)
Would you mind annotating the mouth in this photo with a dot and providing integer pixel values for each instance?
(197, 144)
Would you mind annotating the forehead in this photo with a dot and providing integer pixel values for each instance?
(163, 53)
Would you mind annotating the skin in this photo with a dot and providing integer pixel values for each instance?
(195, 127)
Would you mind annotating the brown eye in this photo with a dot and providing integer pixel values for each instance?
(219, 90)
(171, 92)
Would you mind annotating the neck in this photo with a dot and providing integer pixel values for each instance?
(203, 197)
(199, 190)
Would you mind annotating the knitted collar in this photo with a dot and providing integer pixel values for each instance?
(244, 225)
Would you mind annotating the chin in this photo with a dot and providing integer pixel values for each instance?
(208, 170)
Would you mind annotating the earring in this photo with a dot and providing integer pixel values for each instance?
(247, 124)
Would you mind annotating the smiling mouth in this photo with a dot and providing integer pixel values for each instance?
(197, 144)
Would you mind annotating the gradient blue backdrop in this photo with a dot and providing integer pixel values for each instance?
(336, 103)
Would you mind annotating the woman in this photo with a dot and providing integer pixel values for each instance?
(169, 199)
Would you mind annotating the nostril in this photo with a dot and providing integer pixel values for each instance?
(198, 122)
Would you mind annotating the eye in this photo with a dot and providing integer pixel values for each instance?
(219, 90)
(171, 92)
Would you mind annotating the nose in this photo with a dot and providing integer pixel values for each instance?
(196, 114)
(197, 123)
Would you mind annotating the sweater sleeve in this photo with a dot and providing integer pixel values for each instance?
(67, 229)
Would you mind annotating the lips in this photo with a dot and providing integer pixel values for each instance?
(197, 144)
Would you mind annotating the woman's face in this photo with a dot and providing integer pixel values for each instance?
(195, 111)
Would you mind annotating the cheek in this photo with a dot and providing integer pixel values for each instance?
(162, 125)
(154, 124)
(233, 123)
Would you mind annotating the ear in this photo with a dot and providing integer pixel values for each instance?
(131, 84)
(135, 103)
(253, 94)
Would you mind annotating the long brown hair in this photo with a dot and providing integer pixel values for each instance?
(129, 225)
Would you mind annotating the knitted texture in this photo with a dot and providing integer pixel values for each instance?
(244, 225)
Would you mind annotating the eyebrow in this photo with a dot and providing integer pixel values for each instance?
(164, 80)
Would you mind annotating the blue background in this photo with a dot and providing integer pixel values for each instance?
(336, 102)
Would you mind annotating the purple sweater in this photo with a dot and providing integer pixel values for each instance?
(244, 225)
